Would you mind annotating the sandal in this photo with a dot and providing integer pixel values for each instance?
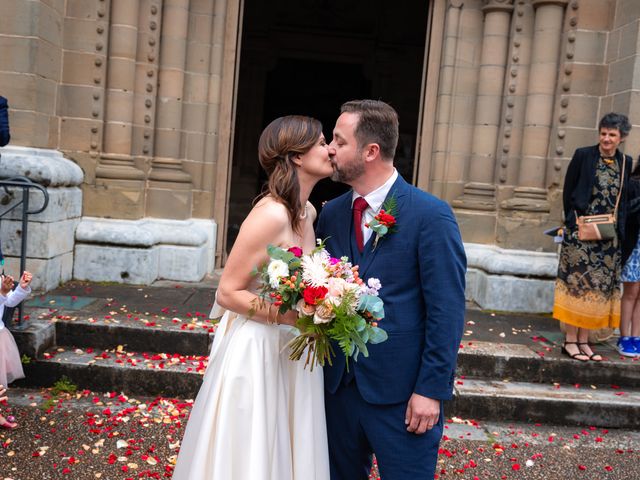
(575, 355)
(4, 423)
(593, 354)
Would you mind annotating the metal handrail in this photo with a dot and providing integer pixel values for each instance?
(25, 184)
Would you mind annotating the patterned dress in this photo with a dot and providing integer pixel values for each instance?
(587, 291)
(631, 269)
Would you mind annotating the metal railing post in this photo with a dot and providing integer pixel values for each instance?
(25, 184)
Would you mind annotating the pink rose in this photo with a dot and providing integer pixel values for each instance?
(297, 251)
(336, 286)
(304, 308)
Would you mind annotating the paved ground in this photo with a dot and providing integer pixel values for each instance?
(109, 436)
(88, 435)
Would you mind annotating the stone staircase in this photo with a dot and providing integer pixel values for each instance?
(532, 381)
(159, 360)
(155, 342)
(157, 346)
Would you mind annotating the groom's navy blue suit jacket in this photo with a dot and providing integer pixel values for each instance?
(422, 270)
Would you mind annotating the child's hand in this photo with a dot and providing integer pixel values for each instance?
(6, 285)
(25, 280)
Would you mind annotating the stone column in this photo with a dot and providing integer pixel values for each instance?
(479, 192)
(531, 192)
(198, 84)
(169, 193)
(119, 184)
(446, 93)
(144, 112)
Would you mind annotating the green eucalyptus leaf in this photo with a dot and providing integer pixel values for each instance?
(378, 335)
(372, 304)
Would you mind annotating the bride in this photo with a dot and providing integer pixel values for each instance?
(259, 415)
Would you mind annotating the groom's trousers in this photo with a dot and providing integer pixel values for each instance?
(357, 429)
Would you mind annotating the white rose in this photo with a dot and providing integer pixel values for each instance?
(276, 270)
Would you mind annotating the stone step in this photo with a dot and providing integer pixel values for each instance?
(120, 370)
(542, 363)
(157, 335)
(546, 403)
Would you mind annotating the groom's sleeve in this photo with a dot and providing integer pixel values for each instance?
(442, 263)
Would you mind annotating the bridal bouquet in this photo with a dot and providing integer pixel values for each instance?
(332, 301)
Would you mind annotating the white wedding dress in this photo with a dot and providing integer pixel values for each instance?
(258, 415)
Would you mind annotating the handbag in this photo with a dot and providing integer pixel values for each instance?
(603, 226)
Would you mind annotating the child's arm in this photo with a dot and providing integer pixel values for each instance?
(6, 285)
(22, 290)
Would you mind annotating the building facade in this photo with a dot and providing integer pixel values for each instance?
(160, 104)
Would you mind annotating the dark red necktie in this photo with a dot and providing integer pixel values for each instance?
(359, 206)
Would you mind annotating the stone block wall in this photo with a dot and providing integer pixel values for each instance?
(622, 61)
(51, 233)
(142, 251)
(31, 66)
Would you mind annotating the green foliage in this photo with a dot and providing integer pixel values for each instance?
(377, 335)
(63, 385)
(48, 404)
(25, 359)
(390, 205)
(278, 253)
(372, 304)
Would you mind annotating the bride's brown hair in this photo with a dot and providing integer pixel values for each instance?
(280, 142)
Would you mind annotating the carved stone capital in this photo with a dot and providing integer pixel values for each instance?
(542, 3)
(497, 6)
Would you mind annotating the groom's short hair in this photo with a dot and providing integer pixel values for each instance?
(377, 123)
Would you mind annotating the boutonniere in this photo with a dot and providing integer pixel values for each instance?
(385, 221)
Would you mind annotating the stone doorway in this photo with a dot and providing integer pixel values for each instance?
(308, 57)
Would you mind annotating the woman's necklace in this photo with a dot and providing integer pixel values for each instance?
(608, 159)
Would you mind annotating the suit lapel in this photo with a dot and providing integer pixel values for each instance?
(399, 190)
(344, 226)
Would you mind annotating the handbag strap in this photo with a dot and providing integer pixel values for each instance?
(615, 209)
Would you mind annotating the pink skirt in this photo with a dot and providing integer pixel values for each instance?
(10, 364)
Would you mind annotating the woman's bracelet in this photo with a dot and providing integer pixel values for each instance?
(275, 320)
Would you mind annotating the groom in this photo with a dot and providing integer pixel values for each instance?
(390, 403)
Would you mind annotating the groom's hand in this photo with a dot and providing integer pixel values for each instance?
(422, 414)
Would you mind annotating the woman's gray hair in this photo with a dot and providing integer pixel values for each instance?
(616, 120)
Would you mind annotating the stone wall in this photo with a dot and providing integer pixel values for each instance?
(130, 90)
(51, 233)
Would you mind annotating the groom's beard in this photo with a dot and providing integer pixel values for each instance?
(349, 171)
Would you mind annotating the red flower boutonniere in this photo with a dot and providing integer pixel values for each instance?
(385, 221)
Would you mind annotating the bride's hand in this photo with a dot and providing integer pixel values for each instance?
(289, 318)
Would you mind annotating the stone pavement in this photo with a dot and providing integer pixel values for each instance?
(87, 436)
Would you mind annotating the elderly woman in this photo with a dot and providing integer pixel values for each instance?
(587, 292)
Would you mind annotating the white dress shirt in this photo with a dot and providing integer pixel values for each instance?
(375, 200)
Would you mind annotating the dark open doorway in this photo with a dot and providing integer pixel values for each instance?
(310, 56)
